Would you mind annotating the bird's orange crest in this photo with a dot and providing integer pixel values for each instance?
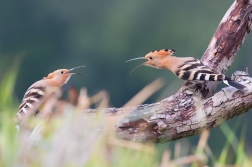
(164, 52)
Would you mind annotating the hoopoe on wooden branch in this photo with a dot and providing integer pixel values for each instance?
(37, 90)
(186, 68)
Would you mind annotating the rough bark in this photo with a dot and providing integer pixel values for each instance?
(189, 110)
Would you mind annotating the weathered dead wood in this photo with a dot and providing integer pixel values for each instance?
(228, 38)
(188, 111)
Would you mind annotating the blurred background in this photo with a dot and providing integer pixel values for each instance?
(54, 34)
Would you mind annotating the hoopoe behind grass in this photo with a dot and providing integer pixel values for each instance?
(36, 91)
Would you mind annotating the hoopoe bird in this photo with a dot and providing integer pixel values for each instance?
(37, 90)
(186, 68)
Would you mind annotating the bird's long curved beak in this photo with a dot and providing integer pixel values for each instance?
(76, 68)
(138, 65)
(136, 59)
(77, 73)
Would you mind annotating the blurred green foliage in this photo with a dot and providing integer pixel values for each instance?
(103, 35)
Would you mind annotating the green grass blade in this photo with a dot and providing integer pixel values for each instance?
(8, 83)
(241, 154)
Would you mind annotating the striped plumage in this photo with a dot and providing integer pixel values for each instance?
(186, 68)
(195, 70)
(32, 96)
(37, 90)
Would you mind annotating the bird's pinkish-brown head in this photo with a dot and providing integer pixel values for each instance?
(154, 58)
(61, 76)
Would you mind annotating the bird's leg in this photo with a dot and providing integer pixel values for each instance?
(192, 85)
(196, 86)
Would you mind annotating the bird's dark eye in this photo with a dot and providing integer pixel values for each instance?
(150, 58)
(62, 72)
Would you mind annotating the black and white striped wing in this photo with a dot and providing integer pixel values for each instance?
(32, 96)
(196, 70)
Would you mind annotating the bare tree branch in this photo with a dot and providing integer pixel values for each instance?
(228, 38)
(188, 111)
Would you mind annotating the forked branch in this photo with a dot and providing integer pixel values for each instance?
(188, 111)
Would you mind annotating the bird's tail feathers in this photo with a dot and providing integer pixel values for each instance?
(234, 84)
